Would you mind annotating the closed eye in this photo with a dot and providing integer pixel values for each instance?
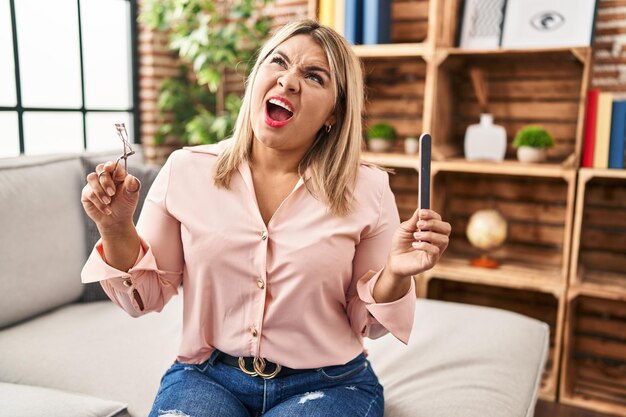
(313, 76)
(278, 60)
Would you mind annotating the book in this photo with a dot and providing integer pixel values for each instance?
(589, 139)
(377, 22)
(618, 135)
(340, 17)
(603, 130)
(327, 12)
(353, 24)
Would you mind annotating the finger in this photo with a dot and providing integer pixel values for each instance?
(105, 178)
(437, 239)
(410, 224)
(132, 184)
(427, 214)
(94, 181)
(435, 226)
(429, 248)
(89, 196)
(119, 173)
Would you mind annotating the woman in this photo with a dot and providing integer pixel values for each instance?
(289, 248)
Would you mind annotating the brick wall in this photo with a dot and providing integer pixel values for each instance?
(609, 69)
(156, 63)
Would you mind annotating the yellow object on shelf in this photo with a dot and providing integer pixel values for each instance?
(603, 130)
(327, 12)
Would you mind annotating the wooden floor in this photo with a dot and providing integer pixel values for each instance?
(550, 409)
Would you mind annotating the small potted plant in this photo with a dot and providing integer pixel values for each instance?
(380, 137)
(532, 142)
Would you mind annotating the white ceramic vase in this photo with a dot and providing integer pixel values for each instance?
(379, 145)
(530, 154)
(485, 141)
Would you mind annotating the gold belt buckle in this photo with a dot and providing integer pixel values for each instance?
(259, 367)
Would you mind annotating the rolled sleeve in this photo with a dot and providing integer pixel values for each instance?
(396, 316)
(135, 290)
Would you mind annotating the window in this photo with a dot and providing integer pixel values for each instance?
(67, 74)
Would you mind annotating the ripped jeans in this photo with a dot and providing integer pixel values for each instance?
(214, 389)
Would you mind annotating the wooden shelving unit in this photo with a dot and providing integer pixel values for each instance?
(593, 374)
(546, 87)
(567, 227)
(538, 210)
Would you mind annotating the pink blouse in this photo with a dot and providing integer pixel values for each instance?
(297, 292)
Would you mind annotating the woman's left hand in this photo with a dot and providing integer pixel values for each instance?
(418, 244)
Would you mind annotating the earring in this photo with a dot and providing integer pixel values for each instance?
(328, 127)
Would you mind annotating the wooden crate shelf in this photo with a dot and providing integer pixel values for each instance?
(456, 267)
(539, 214)
(392, 50)
(599, 238)
(582, 54)
(540, 306)
(541, 87)
(594, 360)
(509, 167)
(404, 186)
(395, 94)
(409, 21)
(392, 159)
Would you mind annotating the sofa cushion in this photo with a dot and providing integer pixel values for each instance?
(94, 349)
(30, 401)
(42, 244)
(462, 360)
(145, 174)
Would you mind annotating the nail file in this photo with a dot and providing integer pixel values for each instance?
(425, 144)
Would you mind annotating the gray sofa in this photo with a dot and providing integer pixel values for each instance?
(66, 352)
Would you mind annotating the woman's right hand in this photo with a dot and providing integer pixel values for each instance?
(110, 197)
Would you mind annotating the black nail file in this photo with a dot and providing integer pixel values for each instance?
(425, 144)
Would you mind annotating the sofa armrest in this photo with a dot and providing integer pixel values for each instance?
(462, 360)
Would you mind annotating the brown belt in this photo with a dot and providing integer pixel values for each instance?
(258, 366)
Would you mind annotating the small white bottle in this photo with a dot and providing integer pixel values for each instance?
(411, 145)
(485, 141)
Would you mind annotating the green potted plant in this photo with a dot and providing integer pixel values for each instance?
(380, 137)
(532, 142)
(211, 38)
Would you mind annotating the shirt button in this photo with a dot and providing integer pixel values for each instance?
(264, 235)
(253, 332)
(128, 283)
(260, 283)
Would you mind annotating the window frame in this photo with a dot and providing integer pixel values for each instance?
(133, 110)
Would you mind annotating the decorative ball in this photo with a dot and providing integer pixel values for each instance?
(487, 229)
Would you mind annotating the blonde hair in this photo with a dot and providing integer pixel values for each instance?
(334, 156)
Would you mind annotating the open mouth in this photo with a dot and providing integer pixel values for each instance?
(277, 112)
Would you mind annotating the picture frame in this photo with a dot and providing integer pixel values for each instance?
(481, 24)
(548, 23)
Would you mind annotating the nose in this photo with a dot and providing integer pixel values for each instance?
(289, 81)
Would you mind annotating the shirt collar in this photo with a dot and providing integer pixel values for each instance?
(244, 168)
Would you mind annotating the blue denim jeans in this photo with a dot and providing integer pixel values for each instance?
(214, 389)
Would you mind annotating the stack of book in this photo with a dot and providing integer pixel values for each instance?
(605, 131)
(360, 22)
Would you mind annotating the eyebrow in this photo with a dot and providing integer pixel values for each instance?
(308, 68)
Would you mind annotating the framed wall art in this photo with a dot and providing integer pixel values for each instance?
(481, 24)
(548, 23)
